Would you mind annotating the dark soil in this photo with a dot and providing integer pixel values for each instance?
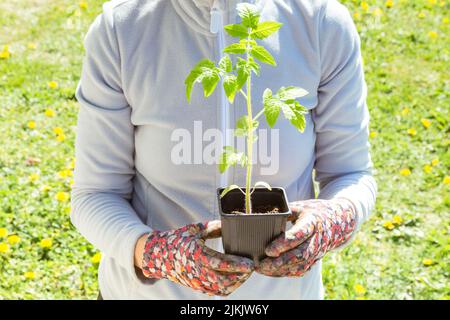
(258, 209)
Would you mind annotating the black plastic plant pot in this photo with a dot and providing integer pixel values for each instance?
(247, 235)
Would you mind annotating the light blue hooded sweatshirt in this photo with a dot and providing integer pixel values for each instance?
(132, 101)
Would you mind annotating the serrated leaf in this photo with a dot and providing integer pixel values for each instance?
(230, 86)
(249, 14)
(225, 64)
(287, 111)
(243, 72)
(272, 109)
(263, 184)
(254, 65)
(196, 75)
(260, 53)
(291, 92)
(237, 30)
(298, 120)
(230, 157)
(235, 48)
(228, 189)
(243, 125)
(210, 79)
(265, 29)
(267, 94)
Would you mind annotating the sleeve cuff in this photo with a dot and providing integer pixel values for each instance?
(126, 256)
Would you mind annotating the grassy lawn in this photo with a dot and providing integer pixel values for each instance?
(401, 253)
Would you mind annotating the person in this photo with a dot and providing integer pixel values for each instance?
(155, 219)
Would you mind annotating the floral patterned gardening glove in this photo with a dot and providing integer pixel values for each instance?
(181, 256)
(319, 226)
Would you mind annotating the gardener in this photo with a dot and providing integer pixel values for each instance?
(147, 213)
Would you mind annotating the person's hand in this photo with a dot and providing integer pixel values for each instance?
(181, 256)
(320, 226)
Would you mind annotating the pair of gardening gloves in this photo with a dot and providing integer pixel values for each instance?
(181, 255)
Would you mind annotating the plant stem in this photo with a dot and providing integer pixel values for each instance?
(248, 203)
(258, 115)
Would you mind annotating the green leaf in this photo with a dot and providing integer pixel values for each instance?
(265, 29)
(298, 120)
(228, 189)
(210, 79)
(267, 94)
(230, 86)
(254, 65)
(263, 184)
(237, 30)
(260, 53)
(235, 48)
(243, 72)
(196, 75)
(225, 64)
(249, 14)
(243, 126)
(290, 93)
(272, 107)
(230, 157)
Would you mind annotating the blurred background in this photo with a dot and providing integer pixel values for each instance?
(401, 253)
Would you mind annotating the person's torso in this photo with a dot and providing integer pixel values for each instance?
(160, 41)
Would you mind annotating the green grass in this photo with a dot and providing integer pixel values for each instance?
(405, 68)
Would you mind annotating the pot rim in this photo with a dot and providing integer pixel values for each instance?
(245, 215)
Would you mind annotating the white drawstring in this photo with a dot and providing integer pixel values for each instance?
(216, 17)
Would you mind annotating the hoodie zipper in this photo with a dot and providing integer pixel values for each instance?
(216, 27)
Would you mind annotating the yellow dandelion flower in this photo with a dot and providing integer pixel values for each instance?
(62, 196)
(65, 173)
(432, 2)
(397, 220)
(433, 34)
(405, 111)
(389, 4)
(427, 168)
(31, 124)
(46, 188)
(405, 172)
(434, 162)
(427, 262)
(445, 20)
(46, 243)
(33, 177)
(53, 84)
(50, 113)
(32, 45)
(421, 15)
(4, 248)
(83, 5)
(14, 239)
(30, 275)
(3, 232)
(58, 130)
(426, 123)
(5, 53)
(364, 6)
(446, 180)
(442, 3)
(359, 289)
(388, 225)
(356, 16)
(60, 137)
(373, 134)
(412, 131)
(96, 258)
